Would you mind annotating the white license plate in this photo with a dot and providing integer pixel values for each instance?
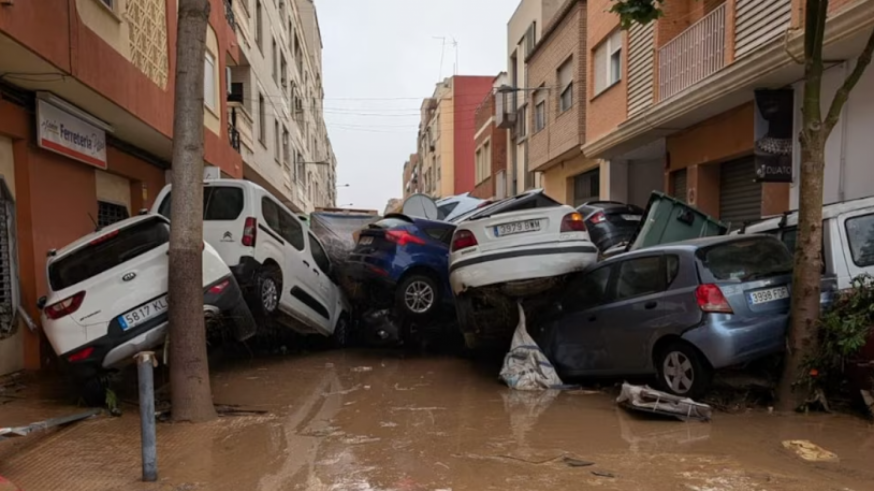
(517, 228)
(366, 240)
(769, 295)
(631, 218)
(142, 314)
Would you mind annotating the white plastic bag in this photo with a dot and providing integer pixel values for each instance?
(525, 366)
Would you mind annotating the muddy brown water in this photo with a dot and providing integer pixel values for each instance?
(368, 421)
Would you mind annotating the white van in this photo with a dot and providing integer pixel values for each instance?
(847, 239)
(281, 266)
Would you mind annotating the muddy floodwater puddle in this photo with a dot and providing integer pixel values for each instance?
(439, 423)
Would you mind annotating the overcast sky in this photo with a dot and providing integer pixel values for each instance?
(380, 60)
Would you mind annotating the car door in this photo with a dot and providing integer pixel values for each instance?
(576, 345)
(635, 311)
(326, 291)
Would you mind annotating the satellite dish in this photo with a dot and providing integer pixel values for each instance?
(420, 206)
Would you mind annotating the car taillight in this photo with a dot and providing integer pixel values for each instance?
(220, 287)
(65, 307)
(81, 355)
(598, 217)
(463, 239)
(402, 238)
(573, 222)
(250, 232)
(104, 238)
(711, 299)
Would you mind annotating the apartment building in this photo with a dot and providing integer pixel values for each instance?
(86, 120)
(490, 156)
(709, 94)
(411, 176)
(523, 32)
(557, 68)
(446, 135)
(276, 101)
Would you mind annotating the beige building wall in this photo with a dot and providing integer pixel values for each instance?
(446, 149)
(11, 350)
(558, 182)
(211, 119)
(108, 22)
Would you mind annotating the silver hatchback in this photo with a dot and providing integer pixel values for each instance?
(680, 310)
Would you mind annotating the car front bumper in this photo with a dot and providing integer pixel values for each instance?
(728, 340)
(502, 266)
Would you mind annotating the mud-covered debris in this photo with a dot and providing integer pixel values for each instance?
(572, 462)
(651, 401)
(810, 451)
(362, 369)
(603, 474)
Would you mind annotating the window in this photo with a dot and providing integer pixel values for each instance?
(109, 3)
(638, 277)
(259, 26)
(483, 162)
(522, 122)
(530, 38)
(744, 260)
(319, 255)
(441, 234)
(92, 260)
(607, 62)
(860, 235)
(109, 213)
(588, 291)
(283, 223)
(673, 268)
(262, 120)
(283, 72)
(443, 211)
(539, 110)
(274, 60)
(286, 154)
(219, 203)
(587, 187)
(209, 82)
(566, 85)
(276, 142)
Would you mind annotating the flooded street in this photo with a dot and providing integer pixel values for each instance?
(363, 421)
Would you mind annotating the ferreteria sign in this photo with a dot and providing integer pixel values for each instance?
(63, 133)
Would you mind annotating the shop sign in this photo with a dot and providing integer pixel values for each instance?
(773, 132)
(64, 133)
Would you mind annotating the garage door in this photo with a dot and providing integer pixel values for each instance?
(740, 197)
(678, 185)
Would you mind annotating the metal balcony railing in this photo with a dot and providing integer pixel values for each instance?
(229, 14)
(694, 55)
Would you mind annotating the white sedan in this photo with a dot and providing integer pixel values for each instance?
(514, 242)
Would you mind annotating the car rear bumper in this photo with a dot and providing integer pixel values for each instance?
(246, 270)
(728, 340)
(117, 347)
(493, 268)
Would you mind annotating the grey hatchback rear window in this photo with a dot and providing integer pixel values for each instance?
(745, 260)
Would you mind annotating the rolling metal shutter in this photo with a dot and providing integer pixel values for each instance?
(758, 22)
(740, 197)
(678, 185)
(641, 60)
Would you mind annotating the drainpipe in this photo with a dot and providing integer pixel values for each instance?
(844, 126)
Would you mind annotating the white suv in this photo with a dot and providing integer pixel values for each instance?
(107, 296)
(281, 266)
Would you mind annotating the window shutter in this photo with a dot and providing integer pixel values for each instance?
(600, 68)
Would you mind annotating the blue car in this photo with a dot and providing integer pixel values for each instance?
(404, 262)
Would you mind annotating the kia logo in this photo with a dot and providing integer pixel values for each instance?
(129, 276)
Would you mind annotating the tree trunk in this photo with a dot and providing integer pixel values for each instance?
(802, 340)
(191, 396)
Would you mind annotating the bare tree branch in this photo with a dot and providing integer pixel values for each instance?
(843, 94)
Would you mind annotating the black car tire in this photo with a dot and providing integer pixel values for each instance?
(93, 391)
(683, 370)
(341, 332)
(417, 290)
(268, 279)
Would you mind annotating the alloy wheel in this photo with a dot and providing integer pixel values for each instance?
(419, 297)
(269, 295)
(678, 372)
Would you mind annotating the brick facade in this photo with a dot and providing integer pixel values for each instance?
(486, 130)
(564, 41)
(604, 111)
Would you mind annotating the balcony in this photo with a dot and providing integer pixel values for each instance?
(229, 14)
(242, 125)
(694, 55)
(234, 137)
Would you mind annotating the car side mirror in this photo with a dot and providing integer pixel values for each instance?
(41, 303)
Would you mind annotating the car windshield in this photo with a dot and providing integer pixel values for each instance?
(107, 252)
(745, 260)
